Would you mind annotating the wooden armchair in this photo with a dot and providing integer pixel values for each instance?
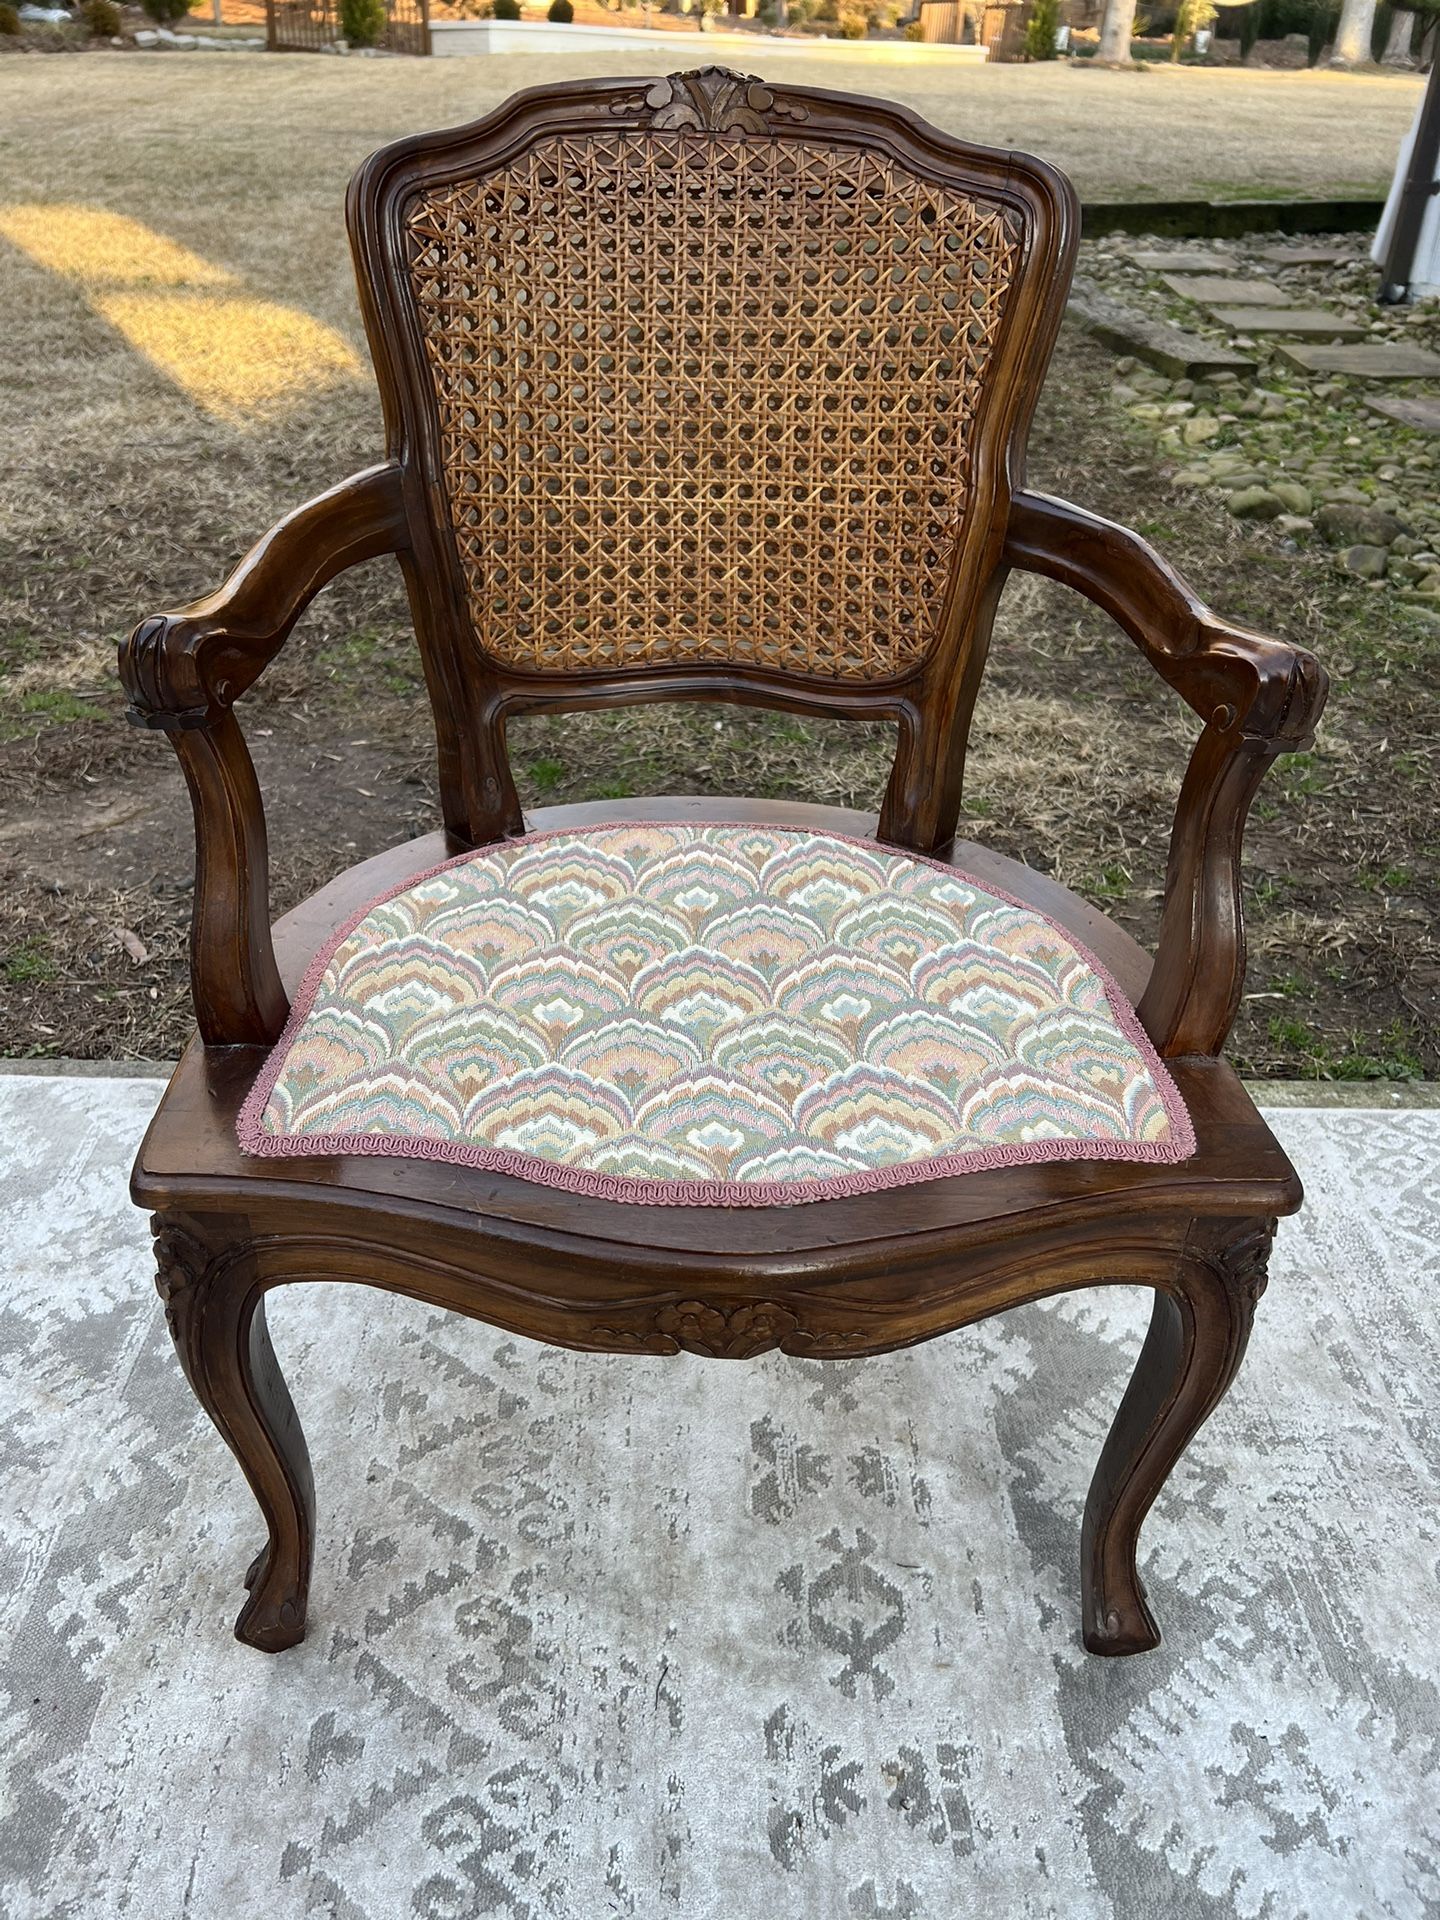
(701, 388)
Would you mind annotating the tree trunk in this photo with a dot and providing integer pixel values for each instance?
(1116, 30)
(1352, 38)
(1397, 47)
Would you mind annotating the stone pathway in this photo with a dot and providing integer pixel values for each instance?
(1259, 367)
(1209, 287)
(1294, 323)
(1383, 362)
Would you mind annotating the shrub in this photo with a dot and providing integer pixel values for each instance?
(102, 17)
(1273, 19)
(506, 10)
(852, 26)
(9, 18)
(363, 22)
(166, 12)
(561, 12)
(1041, 28)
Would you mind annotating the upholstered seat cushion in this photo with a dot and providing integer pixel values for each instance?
(733, 1015)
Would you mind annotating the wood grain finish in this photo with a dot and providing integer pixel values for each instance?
(850, 1276)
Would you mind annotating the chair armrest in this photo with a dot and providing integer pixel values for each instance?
(1257, 697)
(182, 671)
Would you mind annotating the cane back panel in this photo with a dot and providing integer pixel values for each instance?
(703, 383)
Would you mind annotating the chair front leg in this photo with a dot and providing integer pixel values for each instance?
(1198, 1333)
(215, 1309)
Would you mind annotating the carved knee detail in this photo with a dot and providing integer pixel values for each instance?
(1238, 1251)
(181, 1263)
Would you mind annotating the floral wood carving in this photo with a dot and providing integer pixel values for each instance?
(1243, 1259)
(180, 1261)
(1247, 1261)
(711, 100)
(726, 1331)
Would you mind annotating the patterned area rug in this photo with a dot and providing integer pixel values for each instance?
(605, 1636)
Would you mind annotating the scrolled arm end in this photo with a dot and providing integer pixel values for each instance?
(1286, 687)
(166, 675)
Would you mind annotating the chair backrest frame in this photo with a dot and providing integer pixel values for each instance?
(931, 698)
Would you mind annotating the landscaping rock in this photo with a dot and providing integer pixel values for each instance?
(1254, 503)
(1293, 523)
(1292, 496)
(1202, 427)
(1343, 525)
(147, 37)
(1367, 563)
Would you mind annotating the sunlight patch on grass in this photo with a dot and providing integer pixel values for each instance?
(240, 358)
(105, 249)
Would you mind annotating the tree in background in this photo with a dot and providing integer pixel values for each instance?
(1276, 19)
(363, 22)
(1413, 29)
(1041, 29)
(1116, 31)
(1352, 37)
(1190, 16)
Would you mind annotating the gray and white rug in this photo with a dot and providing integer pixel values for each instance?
(607, 1636)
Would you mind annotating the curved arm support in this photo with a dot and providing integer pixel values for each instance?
(1258, 698)
(182, 671)
(1265, 689)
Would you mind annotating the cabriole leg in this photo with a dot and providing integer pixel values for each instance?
(1198, 1333)
(215, 1308)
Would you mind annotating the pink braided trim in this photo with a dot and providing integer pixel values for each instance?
(253, 1139)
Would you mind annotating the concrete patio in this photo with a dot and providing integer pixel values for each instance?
(603, 1635)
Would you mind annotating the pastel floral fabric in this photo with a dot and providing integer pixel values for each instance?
(732, 1015)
